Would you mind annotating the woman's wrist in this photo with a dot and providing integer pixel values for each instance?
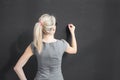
(72, 33)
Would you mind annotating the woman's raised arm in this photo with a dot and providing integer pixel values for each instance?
(72, 48)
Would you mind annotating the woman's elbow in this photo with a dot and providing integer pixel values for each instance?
(71, 50)
(74, 52)
(16, 68)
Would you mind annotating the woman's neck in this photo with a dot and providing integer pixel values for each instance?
(48, 38)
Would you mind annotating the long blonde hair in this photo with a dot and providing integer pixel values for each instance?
(43, 27)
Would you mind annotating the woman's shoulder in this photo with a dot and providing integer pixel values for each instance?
(61, 40)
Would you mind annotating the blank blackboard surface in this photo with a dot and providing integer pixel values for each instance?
(97, 32)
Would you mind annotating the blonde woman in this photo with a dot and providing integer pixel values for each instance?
(47, 49)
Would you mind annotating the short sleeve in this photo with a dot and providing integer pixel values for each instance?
(65, 44)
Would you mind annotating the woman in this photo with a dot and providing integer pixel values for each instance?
(47, 49)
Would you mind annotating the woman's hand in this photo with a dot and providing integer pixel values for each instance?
(71, 28)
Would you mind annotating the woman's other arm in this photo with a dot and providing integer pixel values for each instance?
(21, 62)
(72, 48)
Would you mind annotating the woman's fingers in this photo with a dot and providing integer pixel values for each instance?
(71, 27)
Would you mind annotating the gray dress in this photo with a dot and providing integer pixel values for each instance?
(49, 60)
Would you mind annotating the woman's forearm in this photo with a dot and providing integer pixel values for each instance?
(20, 73)
(73, 42)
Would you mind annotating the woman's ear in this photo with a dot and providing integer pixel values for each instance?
(54, 28)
